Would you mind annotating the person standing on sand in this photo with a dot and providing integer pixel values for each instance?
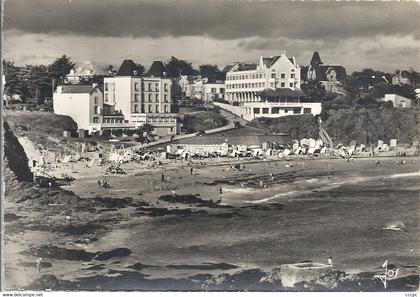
(99, 183)
(163, 177)
(330, 261)
(38, 265)
(330, 168)
(191, 171)
(220, 191)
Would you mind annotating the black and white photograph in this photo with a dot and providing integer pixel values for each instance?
(210, 146)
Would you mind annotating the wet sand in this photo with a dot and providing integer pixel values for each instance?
(301, 213)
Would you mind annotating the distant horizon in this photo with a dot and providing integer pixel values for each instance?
(379, 35)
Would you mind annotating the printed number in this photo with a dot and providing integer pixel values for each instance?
(410, 294)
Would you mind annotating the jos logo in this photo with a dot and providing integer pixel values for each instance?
(388, 275)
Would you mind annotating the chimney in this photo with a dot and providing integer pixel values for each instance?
(283, 53)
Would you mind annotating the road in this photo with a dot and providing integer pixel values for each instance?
(231, 118)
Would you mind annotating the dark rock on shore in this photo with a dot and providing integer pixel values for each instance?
(203, 266)
(119, 252)
(189, 199)
(53, 252)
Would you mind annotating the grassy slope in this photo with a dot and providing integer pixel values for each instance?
(344, 125)
(42, 128)
(204, 121)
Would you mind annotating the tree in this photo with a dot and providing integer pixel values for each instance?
(140, 69)
(15, 83)
(110, 69)
(38, 81)
(207, 70)
(60, 68)
(176, 67)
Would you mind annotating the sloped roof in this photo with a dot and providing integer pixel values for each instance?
(280, 92)
(321, 71)
(79, 89)
(228, 68)
(316, 59)
(245, 67)
(89, 68)
(157, 69)
(128, 68)
(269, 61)
(218, 76)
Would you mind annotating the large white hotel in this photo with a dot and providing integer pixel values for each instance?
(270, 88)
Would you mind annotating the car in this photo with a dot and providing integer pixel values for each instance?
(201, 132)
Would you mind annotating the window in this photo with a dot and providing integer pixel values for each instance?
(272, 85)
(256, 110)
(150, 108)
(286, 110)
(106, 97)
(95, 109)
(106, 87)
(157, 87)
(165, 108)
(292, 75)
(166, 98)
(213, 90)
(275, 110)
(283, 75)
(283, 85)
(273, 75)
(291, 85)
(96, 120)
(296, 110)
(157, 97)
(150, 97)
(166, 87)
(136, 97)
(137, 86)
(136, 108)
(157, 108)
(150, 86)
(306, 110)
(265, 110)
(96, 100)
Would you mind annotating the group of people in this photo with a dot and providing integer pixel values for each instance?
(103, 182)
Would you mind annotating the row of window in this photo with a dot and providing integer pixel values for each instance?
(259, 75)
(147, 86)
(149, 98)
(113, 120)
(245, 76)
(258, 85)
(141, 109)
(276, 110)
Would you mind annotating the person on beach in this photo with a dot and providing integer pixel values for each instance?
(220, 190)
(38, 265)
(330, 261)
(99, 183)
(378, 163)
(330, 168)
(191, 171)
(163, 177)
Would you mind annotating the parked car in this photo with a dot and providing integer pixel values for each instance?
(201, 132)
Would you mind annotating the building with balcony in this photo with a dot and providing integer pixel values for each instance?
(270, 88)
(142, 99)
(244, 81)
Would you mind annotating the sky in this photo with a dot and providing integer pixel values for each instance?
(375, 34)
